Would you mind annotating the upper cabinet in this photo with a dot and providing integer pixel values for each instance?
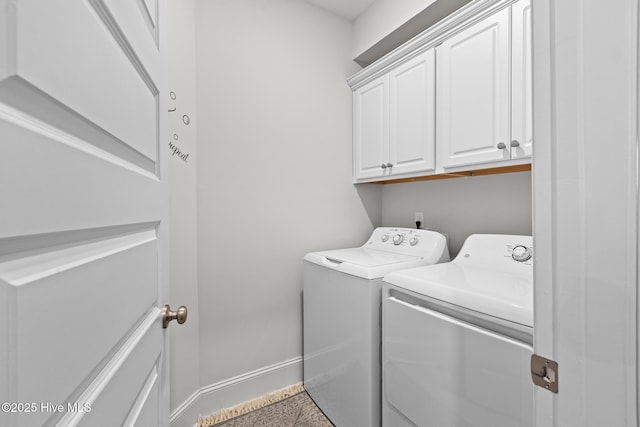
(394, 121)
(521, 80)
(463, 103)
(371, 129)
(473, 93)
(484, 91)
(412, 131)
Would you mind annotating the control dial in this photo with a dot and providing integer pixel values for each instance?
(413, 241)
(521, 253)
(397, 239)
(385, 237)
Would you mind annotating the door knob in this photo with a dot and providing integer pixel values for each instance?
(167, 315)
(501, 145)
(515, 143)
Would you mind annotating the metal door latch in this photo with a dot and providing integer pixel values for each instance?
(544, 373)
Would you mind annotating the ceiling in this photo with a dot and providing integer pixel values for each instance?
(349, 9)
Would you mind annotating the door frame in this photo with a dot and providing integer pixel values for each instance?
(585, 215)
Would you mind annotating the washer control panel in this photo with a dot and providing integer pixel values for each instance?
(398, 239)
(410, 241)
(397, 236)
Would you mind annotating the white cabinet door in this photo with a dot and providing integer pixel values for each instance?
(521, 81)
(412, 115)
(371, 129)
(473, 93)
(83, 236)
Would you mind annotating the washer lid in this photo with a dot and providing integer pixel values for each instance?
(507, 295)
(366, 257)
(364, 262)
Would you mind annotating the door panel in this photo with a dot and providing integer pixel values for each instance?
(371, 128)
(83, 267)
(40, 182)
(473, 97)
(128, 111)
(119, 402)
(50, 286)
(412, 111)
(151, 7)
(521, 82)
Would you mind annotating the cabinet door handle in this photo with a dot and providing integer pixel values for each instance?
(502, 145)
(389, 165)
(383, 166)
(515, 143)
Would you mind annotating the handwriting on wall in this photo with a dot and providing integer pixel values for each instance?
(175, 149)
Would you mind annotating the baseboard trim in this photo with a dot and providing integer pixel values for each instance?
(236, 390)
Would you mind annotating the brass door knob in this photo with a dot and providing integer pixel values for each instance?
(167, 315)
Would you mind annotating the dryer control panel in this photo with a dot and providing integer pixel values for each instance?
(521, 253)
(497, 250)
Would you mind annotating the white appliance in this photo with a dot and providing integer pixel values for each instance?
(341, 320)
(457, 338)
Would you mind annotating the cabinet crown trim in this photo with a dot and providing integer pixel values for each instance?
(431, 37)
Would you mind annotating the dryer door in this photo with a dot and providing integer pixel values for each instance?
(440, 371)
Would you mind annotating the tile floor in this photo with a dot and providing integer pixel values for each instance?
(295, 411)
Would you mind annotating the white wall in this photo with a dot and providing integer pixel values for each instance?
(274, 172)
(184, 358)
(459, 207)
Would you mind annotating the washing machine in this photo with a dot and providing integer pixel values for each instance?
(341, 319)
(457, 338)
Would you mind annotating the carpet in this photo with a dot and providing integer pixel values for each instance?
(290, 407)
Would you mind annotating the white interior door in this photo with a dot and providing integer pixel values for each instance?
(586, 209)
(83, 208)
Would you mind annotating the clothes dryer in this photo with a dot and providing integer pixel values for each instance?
(341, 319)
(457, 338)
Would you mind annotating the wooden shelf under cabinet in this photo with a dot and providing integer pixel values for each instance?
(477, 172)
